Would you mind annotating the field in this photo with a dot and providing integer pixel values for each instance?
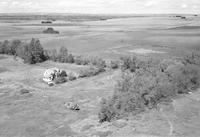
(109, 38)
(30, 108)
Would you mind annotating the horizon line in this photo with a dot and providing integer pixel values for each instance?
(90, 13)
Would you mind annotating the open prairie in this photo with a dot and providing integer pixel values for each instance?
(30, 108)
(113, 37)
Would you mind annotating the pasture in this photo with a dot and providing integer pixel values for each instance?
(113, 37)
(40, 112)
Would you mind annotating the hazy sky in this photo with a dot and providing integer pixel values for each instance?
(101, 6)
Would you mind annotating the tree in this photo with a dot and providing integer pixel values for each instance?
(5, 47)
(21, 51)
(63, 55)
(34, 53)
(14, 45)
(47, 54)
(31, 53)
(70, 58)
(53, 55)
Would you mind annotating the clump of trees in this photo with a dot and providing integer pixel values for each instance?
(33, 52)
(50, 31)
(30, 52)
(144, 86)
(63, 56)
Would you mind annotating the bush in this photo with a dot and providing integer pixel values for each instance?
(98, 62)
(147, 86)
(185, 77)
(114, 64)
(192, 58)
(63, 73)
(107, 112)
(72, 76)
(129, 63)
(95, 61)
(92, 71)
(79, 60)
(60, 80)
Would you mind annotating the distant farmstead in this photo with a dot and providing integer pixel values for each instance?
(50, 31)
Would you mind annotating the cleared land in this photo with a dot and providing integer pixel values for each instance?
(40, 112)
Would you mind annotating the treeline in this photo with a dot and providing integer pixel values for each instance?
(145, 83)
(33, 52)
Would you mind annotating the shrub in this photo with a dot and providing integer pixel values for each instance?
(185, 77)
(92, 71)
(60, 80)
(114, 64)
(95, 61)
(192, 58)
(129, 63)
(98, 62)
(107, 112)
(124, 100)
(71, 76)
(63, 73)
(147, 86)
(80, 60)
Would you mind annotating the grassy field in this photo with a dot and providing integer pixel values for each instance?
(40, 112)
(111, 38)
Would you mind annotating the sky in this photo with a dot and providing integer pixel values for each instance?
(101, 6)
